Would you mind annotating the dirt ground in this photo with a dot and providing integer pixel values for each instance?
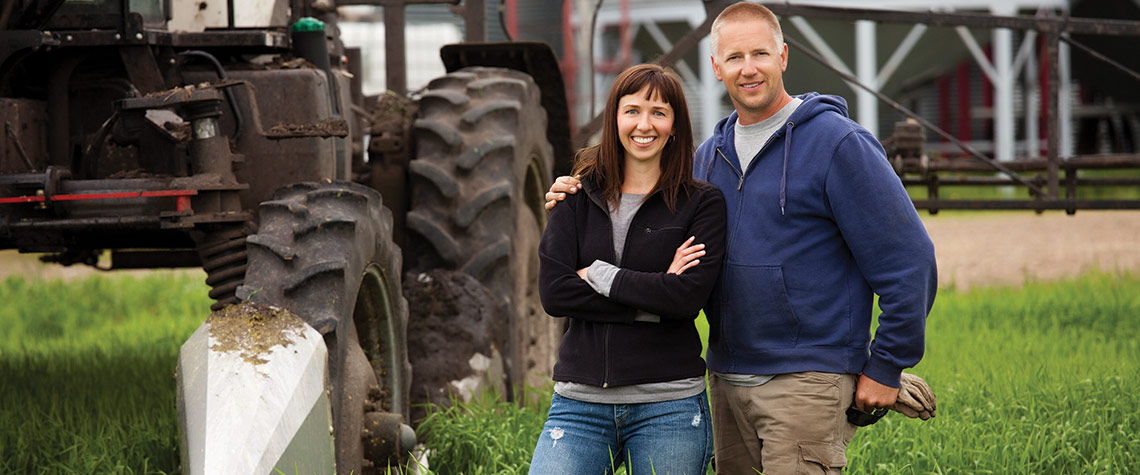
(998, 248)
(1007, 248)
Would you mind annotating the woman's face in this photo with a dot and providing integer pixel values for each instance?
(644, 125)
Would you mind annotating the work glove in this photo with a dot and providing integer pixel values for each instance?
(915, 399)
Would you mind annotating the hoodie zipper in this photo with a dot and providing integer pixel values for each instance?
(740, 174)
(740, 183)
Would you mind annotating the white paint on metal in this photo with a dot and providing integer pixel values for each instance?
(711, 93)
(820, 45)
(1002, 45)
(200, 15)
(867, 105)
(197, 16)
(1065, 104)
(238, 417)
(1027, 50)
(261, 13)
(663, 42)
(976, 51)
(901, 53)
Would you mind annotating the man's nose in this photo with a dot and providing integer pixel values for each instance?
(750, 67)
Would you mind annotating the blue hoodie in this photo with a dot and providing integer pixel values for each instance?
(818, 225)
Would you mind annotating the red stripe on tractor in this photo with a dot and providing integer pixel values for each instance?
(100, 196)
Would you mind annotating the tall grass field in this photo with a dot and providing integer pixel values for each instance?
(1039, 379)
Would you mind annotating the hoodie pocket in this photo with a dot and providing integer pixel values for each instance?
(756, 312)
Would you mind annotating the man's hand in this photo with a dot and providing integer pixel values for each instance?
(871, 394)
(915, 399)
(686, 256)
(558, 190)
(582, 273)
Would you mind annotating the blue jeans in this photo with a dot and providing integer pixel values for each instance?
(583, 438)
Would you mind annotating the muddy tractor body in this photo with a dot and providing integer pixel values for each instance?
(233, 136)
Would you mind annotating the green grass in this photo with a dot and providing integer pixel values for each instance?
(1044, 378)
(1037, 379)
(484, 437)
(86, 372)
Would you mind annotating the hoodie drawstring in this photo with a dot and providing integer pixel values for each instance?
(784, 175)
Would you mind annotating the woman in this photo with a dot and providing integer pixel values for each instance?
(618, 260)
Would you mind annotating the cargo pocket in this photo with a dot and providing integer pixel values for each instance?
(821, 458)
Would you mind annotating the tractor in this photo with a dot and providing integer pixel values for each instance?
(233, 136)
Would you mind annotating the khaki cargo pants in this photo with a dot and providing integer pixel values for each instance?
(794, 424)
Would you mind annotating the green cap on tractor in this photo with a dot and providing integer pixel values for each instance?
(308, 24)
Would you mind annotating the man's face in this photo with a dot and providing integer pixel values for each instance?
(751, 65)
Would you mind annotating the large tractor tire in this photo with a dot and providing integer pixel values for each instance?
(482, 167)
(324, 251)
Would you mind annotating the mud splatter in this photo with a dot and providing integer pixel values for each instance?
(252, 329)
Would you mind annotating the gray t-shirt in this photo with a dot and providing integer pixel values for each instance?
(601, 274)
(751, 138)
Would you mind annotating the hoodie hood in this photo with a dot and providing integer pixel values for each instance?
(813, 104)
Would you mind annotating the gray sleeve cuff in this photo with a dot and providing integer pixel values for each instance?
(600, 276)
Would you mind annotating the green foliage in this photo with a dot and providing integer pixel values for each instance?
(485, 436)
(87, 372)
(1039, 379)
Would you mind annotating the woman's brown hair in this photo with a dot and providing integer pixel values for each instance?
(604, 163)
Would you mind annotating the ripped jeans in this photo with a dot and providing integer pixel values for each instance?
(583, 438)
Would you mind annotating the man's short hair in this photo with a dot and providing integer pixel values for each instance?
(745, 11)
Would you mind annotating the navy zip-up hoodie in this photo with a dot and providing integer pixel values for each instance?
(818, 225)
(603, 345)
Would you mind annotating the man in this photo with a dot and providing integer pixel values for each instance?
(818, 223)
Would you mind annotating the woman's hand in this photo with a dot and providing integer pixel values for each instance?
(687, 256)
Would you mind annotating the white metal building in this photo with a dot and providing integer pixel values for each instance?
(981, 85)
